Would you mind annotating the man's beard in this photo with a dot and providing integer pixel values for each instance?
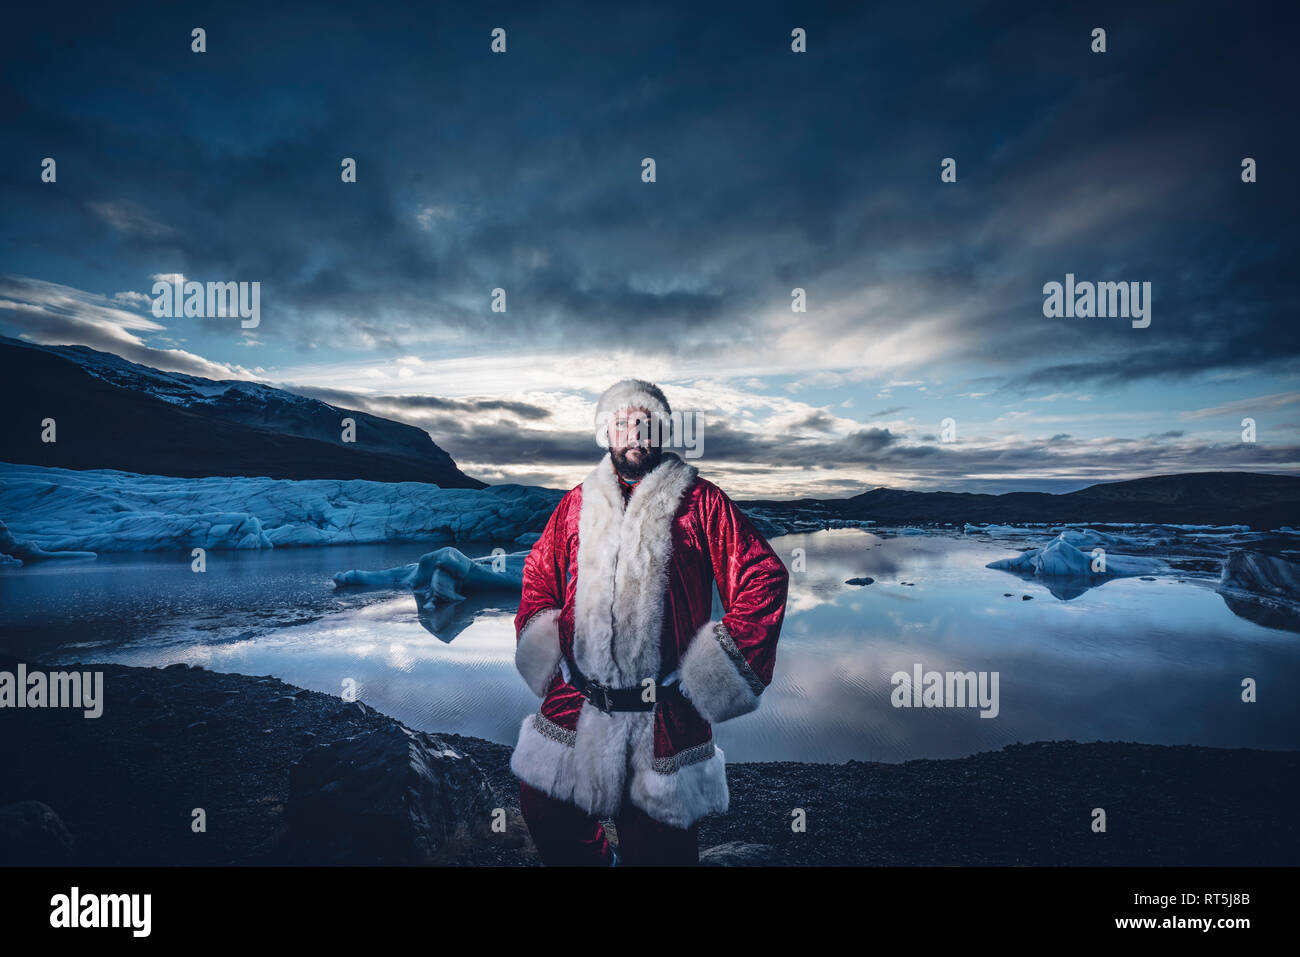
(634, 471)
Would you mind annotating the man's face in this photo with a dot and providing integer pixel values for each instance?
(633, 444)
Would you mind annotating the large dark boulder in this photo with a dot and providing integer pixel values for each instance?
(391, 796)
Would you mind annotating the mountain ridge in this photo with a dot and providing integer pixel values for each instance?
(111, 413)
(1258, 499)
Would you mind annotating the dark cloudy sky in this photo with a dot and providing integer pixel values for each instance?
(775, 170)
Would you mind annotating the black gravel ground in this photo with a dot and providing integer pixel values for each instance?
(174, 739)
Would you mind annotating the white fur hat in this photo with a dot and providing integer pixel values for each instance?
(629, 393)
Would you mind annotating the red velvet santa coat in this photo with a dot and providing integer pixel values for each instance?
(625, 590)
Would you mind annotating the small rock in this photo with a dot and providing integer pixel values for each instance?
(158, 726)
(216, 696)
(739, 854)
(1026, 597)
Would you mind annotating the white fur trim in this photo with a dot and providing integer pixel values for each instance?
(589, 772)
(600, 759)
(713, 682)
(592, 772)
(623, 570)
(683, 797)
(537, 653)
(630, 393)
(542, 761)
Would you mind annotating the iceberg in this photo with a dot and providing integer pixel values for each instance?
(14, 552)
(1064, 559)
(444, 575)
(969, 529)
(1067, 570)
(450, 588)
(104, 510)
(1262, 588)
(1261, 574)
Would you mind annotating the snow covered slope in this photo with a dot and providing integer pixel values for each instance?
(111, 413)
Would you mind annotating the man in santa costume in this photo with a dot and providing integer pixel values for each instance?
(616, 634)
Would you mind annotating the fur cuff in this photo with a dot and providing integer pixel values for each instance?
(537, 655)
(716, 679)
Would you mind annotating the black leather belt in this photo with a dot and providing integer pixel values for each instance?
(608, 699)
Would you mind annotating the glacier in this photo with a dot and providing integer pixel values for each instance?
(104, 510)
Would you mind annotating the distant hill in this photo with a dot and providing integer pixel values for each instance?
(1259, 500)
(115, 414)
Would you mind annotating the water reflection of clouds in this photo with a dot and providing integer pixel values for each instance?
(1139, 660)
(467, 686)
(1155, 661)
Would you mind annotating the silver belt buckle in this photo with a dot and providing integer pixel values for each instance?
(599, 696)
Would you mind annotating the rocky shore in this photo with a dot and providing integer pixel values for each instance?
(187, 766)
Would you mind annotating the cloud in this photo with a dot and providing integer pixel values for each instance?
(430, 215)
(1247, 407)
(131, 218)
(382, 289)
(420, 404)
(816, 421)
(761, 188)
(51, 314)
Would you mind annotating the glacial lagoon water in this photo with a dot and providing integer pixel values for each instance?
(1156, 661)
